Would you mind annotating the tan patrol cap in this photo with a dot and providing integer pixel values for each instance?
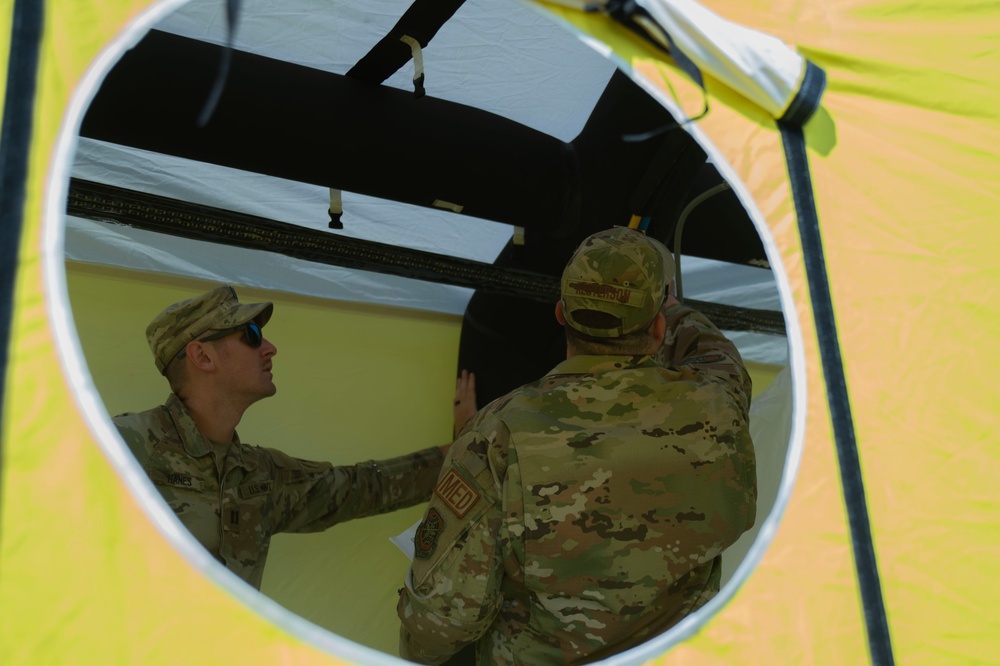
(180, 323)
(620, 273)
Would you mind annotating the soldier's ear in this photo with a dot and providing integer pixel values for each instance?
(658, 328)
(560, 317)
(199, 356)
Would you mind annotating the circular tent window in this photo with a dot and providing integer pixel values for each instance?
(492, 169)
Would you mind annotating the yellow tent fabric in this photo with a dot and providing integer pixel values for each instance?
(906, 177)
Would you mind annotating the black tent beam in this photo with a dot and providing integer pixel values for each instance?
(151, 212)
(421, 22)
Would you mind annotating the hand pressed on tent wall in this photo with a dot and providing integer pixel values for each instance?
(465, 400)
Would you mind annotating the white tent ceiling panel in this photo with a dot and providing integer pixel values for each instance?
(302, 204)
(526, 68)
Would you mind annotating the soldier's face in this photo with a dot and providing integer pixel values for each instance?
(248, 369)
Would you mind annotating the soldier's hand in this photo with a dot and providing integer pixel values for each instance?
(465, 400)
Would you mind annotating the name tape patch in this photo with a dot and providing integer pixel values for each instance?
(604, 292)
(176, 479)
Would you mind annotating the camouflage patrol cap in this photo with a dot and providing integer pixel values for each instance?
(182, 322)
(620, 274)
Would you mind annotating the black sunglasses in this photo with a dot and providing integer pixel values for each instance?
(252, 335)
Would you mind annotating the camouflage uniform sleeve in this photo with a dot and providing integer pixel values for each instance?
(311, 496)
(142, 430)
(451, 594)
(693, 342)
(136, 441)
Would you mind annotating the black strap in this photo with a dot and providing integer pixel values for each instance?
(15, 145)
(225, 62)
(185, 220)
(421, 22)
(807, 99)
(627, 12)
(879, 643)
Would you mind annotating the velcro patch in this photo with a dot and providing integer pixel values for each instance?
(253, 489)
(426, 538)
(457, 493)
(704, 359)
(610, 293)
(178, 480)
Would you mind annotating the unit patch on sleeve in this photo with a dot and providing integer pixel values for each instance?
(457, 493)
(426, 538)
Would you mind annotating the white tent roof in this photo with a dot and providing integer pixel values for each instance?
(532, 72)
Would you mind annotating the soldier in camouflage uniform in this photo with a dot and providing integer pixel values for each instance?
(585, 513)
(233, 496)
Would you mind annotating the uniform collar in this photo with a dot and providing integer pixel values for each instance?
(585, 364)
(196, 444)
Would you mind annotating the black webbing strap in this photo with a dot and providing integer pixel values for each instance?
(225, 62)
(879, 643)
(179, 218)
(15, 145)
(421, 22)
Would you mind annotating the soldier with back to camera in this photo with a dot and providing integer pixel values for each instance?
(586, 512)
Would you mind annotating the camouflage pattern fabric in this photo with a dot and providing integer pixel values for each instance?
(182, 322)
(585, 513)
(620, 272)
(234, 497)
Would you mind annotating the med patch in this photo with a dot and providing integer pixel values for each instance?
(457, 493)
